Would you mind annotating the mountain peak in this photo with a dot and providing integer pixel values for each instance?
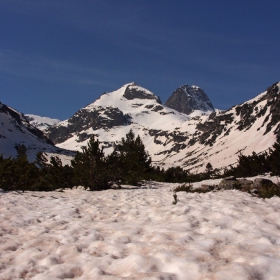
(187, 99)
(134, 91)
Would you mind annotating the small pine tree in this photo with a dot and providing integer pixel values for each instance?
(274, 159)
(130, 160)
(176, 174)
(209, 169)
(53, 175)
(41, 160)
(21, 151)
(89, 167)
(17, 173)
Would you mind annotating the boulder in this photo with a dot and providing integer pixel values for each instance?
(208, 188)
(229, 183)
(261, 187)
(266, 188)
(246, 185)
(115, 186)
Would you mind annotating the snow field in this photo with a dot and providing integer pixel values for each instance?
(138, 234)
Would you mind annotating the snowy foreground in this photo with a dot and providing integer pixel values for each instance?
(138, 234)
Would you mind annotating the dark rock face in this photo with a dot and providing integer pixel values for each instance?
(213, 127)
(99, 117)
(178, 138)
(135, 92)
(186, 99)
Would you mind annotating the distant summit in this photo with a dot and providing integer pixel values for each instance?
(187, 99)
(41, 122)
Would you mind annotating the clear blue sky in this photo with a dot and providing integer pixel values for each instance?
(57, 56)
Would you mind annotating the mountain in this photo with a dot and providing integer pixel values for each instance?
(173, 138)
(112, 115)
(16, 130)
(190, 100)
(41, 123)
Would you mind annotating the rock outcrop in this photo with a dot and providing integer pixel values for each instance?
(187, 99)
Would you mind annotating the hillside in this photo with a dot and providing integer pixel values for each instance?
(16, 130)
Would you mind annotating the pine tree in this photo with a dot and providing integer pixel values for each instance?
(274, 159)
(89, 167)
(21, 151)
(176, 174)
(53, 175)
(17, 173)
(130, 160)
(209, 169)
(41, 160)
(251, 165)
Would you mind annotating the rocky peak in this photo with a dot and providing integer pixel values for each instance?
(134, 91)
(187, 99)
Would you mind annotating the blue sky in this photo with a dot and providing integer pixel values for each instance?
(57, 56)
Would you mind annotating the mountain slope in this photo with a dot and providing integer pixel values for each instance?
(15, 130)
(249, 127)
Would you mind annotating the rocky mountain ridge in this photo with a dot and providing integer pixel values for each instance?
(173, 138)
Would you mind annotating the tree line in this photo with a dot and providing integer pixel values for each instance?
(256, 164)
(128, 164)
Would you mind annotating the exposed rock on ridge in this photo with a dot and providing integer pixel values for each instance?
(133, 91)
(187, 99)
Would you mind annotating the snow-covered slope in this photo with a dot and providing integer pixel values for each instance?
(139, 234)
(113, 115)
(16, 130)
(249, 127)
(41, 123)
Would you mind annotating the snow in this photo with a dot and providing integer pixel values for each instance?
(13, 134)
(138, 233)
(41, 122)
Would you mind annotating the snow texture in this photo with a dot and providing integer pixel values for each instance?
(137, 233)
